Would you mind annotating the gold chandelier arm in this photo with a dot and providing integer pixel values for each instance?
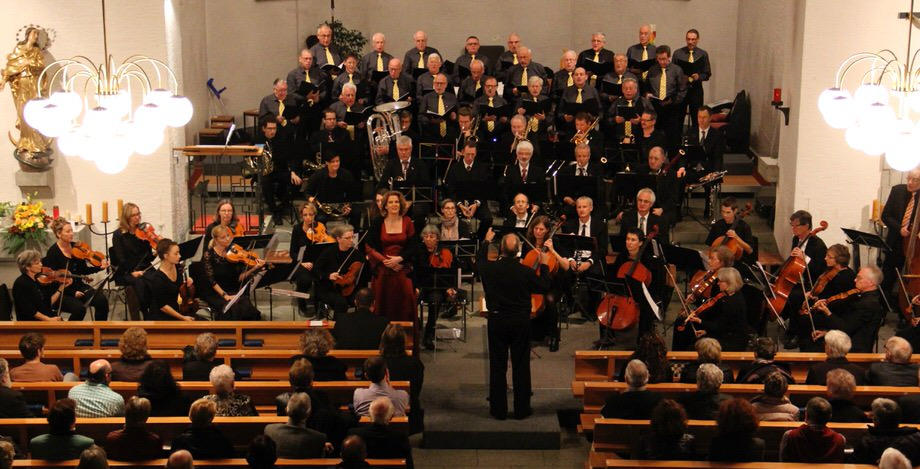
(897, 70)
(853, 60)
(139, 76)
(61, 65)
(156, 64)
(90, 76)
(133, 68)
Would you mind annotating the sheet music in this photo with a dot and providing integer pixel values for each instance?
(236, 298)
(651, 302)
(298, 260)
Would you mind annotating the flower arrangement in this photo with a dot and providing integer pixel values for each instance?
(28, 228)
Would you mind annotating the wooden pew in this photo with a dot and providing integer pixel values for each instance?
(636, 464)
(618, 437)
(601, 365)
(264, 365)
(262, 392)
(238, 463)
(170, 334)
(240, 430)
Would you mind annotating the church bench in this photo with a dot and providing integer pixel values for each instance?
(239, 463)
(240, 430)
(171, 334)
(637, 464)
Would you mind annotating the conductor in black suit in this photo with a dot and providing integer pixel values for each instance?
(893, 216)
(508, 285)
(362, 329)
(643, 218)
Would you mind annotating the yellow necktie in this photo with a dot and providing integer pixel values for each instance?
(379, 62)
(619, 79)
(306, 77)
(644, 58)
(663, 84)
(691, 56)
(350, 80)
(491, 124)
(534, 123)
(578, 98)
(281, 113)
(472, 58)
(477, 85)
(569, 82)
(395, 90)
(421, 59)
(329, 59)
(597, 56)
(524, 77)
(628, 126)
(442, 128)
(515, 59)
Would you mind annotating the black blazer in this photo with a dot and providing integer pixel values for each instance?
(416, 175)
(817, 374)
(598, 227)
(892, 215)
(513, 183)
(713, 146)
(360, 330)
(631, 220)
(815, 249)
(12, 404)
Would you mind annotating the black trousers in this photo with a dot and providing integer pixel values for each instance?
(509, 332)
(693, 100)
(74, 306)
(276, 190)
(303, 280)
(332, 298)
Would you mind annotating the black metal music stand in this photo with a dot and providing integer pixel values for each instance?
(862, 238)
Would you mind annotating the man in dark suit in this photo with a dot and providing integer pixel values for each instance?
(471, 53)
(582, 167)
(859, 313)
(506, 148)
(469, 169)
(509, 57)
(293, 439)
(667, 184)
(668, 88)
(810, 249)
(524, 173)
(597, 53)
(587, 225)
(712, 143)
(836, 346)
(893, 216)
(896, 370)
(697, 58)
(395, 85)
(375, 60)
(508, 286)
(405, 168)
(12, 404)
(471, 86)
(520, 73)
(324, 51)
(643, 218)
(360, 330)
(279, 105)
(313, 102)
(417, 57)
(383, 442)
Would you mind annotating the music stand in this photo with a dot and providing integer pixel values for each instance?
(688, 260)
(253, 242)
(476, 190)
(568, 244)
(565, 185)
(188, 249)
(535, 191)
(862, 238)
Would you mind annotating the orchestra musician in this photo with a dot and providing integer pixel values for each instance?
(284, 177)
(838, 278)
(391, 246)
(520, 212)
(519, 74)
(813, 250)
(395, 85)
(492, 125)
(433, 116)
(643, 217)
(544, 322)
(650, 136)
(742, 232)
(432, 262)
(274, 106)
(60, 256)
(405, 169)
(470, 169)
(597, 53)
(324, 51)
(353, 144)
(351, 75)
(509, 57)
(582, 167)
(625, 130)
(417, 57)
(857, 313)
(668, 88)
(330, 139)
(226, 216)
(376, 60)
(451, 226)
(719, 257)
(465, 129)
(632, 243)
(307, 233)
(726, 320)
(508, 286)
(314, 101)
(424, 84)
(693, 54)
(584, 134)
(564, 78)
(898, 216)
(333, 184)
(518, 131)
(712, 143)
(471, 86)
(471, 54)
(33, 300)
(333, 264)
(524, 171)
(164, 283)
(667, 190)
(589, 262)
(617, 77)
(225, 279)
(130, 255)
(642, 51)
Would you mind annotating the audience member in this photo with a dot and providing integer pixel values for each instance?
(12, 404)
(840, 387)
(181, 459)
(324, 417)
(293, 439)
(708, 350)
(896, 370)
(202, 438)
(636, 402)
(763, 365)
(704, 403)
(375, 368)
(773, 405)
(734, 440)
(404, 367)
(893, 459)
(32, 349)
(354, 453)
(836, 346)
(360, 330)
(315, 344)
(229, 403)
(813, 441)
(61, 442)
(134, 442)
(652, 350)
(134, 357)
(262, 453)
(93, 457)
(885, 429)
(158, 385)
(198, 366)
(910, 408)
(667, 437)
(7, 453)
(382, 441)
(94, 397)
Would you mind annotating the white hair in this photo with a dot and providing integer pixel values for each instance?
(837, 343)
(221, 377)
(349, 86)
(434, 56)
(534, 80)
(709, 378)
(893, 459)
(404, 141)
(636, 374)
(525, 146)
(646, 190)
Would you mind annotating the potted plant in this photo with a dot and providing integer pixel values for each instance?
(28, 228)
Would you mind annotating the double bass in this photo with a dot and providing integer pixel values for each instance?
(620, 312)
(732, 243)
(909, 278)
(789, 275)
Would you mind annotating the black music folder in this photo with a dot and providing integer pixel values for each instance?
(417, 72)
(504, 110)
(590, 106)
(690, 68)
(377, 76)
(355, 117)
(332, 69)
(597, 68)
(567, 185)
(475, 190)
(611, 88)
(536, 107)
(306, 88)
(437, 115)
(627, 112)
(643, 65)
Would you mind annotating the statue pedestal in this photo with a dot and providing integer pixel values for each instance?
(42, 182)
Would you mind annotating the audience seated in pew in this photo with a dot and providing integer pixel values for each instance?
(134, 442)
(404, 367)
(708, 350)
(704, 403)
(896, 370)
(836, 346)
(893, 459)
(181, 459)
(636, 402)
(324, 417)
(361, 329)
(840, 387)
(354, 453)
(7, 453)
(32, 347)
(667, 437)
(61, 442)
(294, 439)
(910, 407)
(12, 404)
(229, 402)
(262, 453)
(763, 364)
(198, 366)
(734, 440)
(376, 370)
(94, 398)
(134, 357)
(885, 429)
(93, 457)
(813, 442)
(315, 344)
(202, 438)
(159, 387)
(773, 405)
(381, 440)
(652, 350)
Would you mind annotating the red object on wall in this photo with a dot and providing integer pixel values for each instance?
(777, 95)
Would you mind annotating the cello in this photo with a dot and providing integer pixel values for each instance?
(732, 243)
(533, 258)
(620, 312)
(789, 275)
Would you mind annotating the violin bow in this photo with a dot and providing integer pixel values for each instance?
(811, 318)
(352, 250)
(61, 298)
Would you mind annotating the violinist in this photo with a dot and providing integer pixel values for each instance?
(544, 323)
(130, 255)
(226, 278)
(452, 227)
(164, 284)
(838, 278)
(434, 261)
(703, 286)
(33, 299)
(60, 256)
(726, 319)
(303, 235)
(856, 312)
(224, 216)
(332, 264)
(742, 232)
(810, 249)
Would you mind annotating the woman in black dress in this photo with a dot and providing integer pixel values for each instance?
(164, 285)
(303, 236)
(59, 256)
(226, 278)
(130, 255)
(33, 300)
(726, 321)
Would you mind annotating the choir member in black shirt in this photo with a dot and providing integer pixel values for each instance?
(33, 300)
(225, 279)
(467, 170)
(642, 51)
(597, 53)
(492, 126)
(564, 78)
(615, 77)
(164, 284)
(331, 265)
(283, 179)
(312, 102)
(226, 216)
(424, 84)
(726, 321)
(324, 51)
(538, 122)
(693, 54)
(275, 105)
(433, 262)
(858, 314)
(578, 93)
(352, 146)
(509, 57)
(838, 278)
(332, 184)
(650, 137)
(669, 86)
(624, 130)
(375, 60)
(330, 139)
(353, 76)
(417, 57)
(130, 255)
(436, 114)
(518, 75)
(741, 232)
(471, 86)
(471, 53)
(395, 85)
(304, 235)
(59, 256)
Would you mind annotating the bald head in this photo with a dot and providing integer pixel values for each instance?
(181, 459)
(100, 371)
(421, 40)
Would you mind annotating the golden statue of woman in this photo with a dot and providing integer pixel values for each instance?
(23, 67)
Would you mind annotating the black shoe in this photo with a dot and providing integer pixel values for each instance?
(428, 343)
(523, 415)
(499, 416)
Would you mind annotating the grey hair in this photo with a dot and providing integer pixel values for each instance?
(840, 384)
(338, 230)
(519, 118)
(894, 459)
(636, 374)
(434, 56)
(534, 80)
(349, 86)
(708, 378)
(26, 258)
(431, 229)
(875, 274)
(648, 191)
(899, 350)
(404, 141)
(221, 377)
(585, 198)
(732, 277)
(299, 407)
(381, 410)
(524, 145)
(206, 346)
(837, 343)
(630, 80)
(4, 373)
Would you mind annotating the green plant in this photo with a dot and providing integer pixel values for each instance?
(6, 208)
(349, 41)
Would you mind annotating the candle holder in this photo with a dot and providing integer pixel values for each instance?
(105, 233)
(784, 109)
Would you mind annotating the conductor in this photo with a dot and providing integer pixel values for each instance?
(508, 285)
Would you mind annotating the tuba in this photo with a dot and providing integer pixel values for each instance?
(382, 128)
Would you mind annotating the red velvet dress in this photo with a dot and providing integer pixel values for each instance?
(394, 295)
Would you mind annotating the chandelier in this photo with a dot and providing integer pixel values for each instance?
(91, 112)
(877, 115)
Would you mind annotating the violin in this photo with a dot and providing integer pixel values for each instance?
(842, 296)
(701, 285)
(236, 253)
(317, 234)
(144, 232)
(551, 262)
(732, 243)
(81, 250)
(345, 284)
(701, 309)
(237, 230)
(790, 274)
(821, 284)
(48, 276)
(620, 312)
(441, 258)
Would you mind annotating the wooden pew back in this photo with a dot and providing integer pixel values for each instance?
(237, 463)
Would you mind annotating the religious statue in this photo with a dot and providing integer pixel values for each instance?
(23, 67)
